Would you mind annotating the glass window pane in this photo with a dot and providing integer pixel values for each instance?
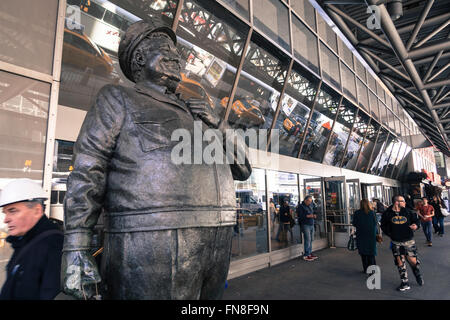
(380, 92)
(356, 140)
(362, 95)
(392, 158)
(89, 59)
(27, 33)
(305, 10)
(330, 66)
(378, 150)
(373, 103)
(250, 232)
(321, 123)
(385, 157)
(348, 82)
(383, 113)
(271, 17)
(360, 70)
(326, 33)
(211, 46)
(345, 53)
(381, 159)
(90, 7)
(240, 6)
(23, 127)
(307, 54)
(294, 113)
(371, 82)
(341, 131)
(368, 146)
(283, 186)
(259, 86)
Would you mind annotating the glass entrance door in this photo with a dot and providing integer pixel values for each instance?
(373, 190)
(336, 209)
(354, 196)
(314, 188)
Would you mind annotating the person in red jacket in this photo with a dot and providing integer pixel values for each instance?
(426, 214)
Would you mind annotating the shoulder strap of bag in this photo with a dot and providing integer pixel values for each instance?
(30, 244)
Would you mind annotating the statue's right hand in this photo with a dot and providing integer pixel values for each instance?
(79, 274)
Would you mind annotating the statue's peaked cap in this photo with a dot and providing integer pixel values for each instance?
(135, 33)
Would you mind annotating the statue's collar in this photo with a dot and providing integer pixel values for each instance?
(171, 98)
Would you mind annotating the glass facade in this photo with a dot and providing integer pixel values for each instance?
(24, 107)
(356, 140)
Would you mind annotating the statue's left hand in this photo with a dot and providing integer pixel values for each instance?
(202, 110)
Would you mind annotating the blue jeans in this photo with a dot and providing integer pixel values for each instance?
(308, 237)
(427, 226)
(440, 225)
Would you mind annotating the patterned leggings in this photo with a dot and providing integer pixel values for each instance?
(402, 251)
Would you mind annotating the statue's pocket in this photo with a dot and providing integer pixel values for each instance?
(154, 129)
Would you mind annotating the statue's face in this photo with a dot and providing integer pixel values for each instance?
(162, 62)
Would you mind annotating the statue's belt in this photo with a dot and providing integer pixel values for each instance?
(122, 222)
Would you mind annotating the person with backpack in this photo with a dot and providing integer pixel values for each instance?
(33, 272)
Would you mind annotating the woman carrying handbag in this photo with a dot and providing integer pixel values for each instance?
(367, 233)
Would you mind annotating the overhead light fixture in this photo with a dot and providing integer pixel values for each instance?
(395, 9)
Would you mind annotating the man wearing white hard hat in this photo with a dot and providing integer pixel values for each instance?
(33, 272)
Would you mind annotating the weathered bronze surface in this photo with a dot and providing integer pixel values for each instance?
(168, 227)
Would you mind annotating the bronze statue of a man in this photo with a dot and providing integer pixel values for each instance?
(168, 227)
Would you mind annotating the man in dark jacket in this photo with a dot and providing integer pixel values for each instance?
(399, 224)
(306, 218)
(33, 272)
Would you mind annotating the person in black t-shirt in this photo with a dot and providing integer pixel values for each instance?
(399, 223)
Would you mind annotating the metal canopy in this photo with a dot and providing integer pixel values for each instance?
(411, 55)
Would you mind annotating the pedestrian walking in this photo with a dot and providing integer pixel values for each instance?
(399, 224)
(285, 221)
(426, 214)
(365, 222)
(306, 218)
(33, 272)
(439, 217)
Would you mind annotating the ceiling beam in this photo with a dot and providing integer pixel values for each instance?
(423, 15)
(389, 29)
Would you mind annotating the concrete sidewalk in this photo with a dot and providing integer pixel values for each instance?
(337, 274)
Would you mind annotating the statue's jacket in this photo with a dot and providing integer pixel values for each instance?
(122, 166)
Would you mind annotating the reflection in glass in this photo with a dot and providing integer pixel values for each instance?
(210, 48)
(90, 46)
(384, 155)
(356, 140)
(307, 54)
(27, 33)
(320, 125)
(330, 66)
(294, 113)
(379, 147)
(240, 6)
(62, 159)
(250, 232)
(24, 107)
(401, 167)
(283, 186)
(392, 157)
(395, 158)
(260, 84)
(335, 151)
(368, 146)
(272, 18)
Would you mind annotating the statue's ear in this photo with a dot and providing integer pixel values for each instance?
(137, 63)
